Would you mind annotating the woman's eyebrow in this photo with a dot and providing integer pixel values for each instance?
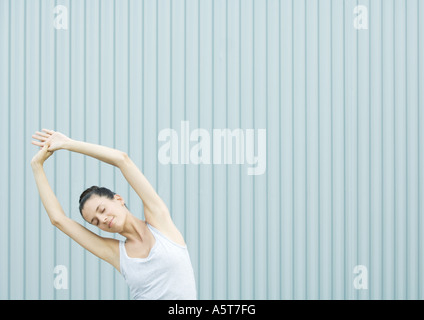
(97, 209)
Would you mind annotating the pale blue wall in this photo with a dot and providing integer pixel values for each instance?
(342, 109)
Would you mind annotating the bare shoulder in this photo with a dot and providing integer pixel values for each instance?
(162, 221)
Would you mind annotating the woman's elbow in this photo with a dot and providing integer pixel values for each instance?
(57, 221)
(122, 159)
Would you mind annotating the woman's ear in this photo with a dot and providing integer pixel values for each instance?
(119, 198)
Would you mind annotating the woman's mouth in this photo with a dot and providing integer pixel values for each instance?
(110, 223)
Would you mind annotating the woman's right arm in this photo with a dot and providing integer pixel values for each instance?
(104, 248)
(48, 198)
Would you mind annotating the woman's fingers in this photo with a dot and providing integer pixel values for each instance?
(38, 144)
(43, 134)
(42, 137)
(50, 132)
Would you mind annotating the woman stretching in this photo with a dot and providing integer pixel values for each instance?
(153, 259)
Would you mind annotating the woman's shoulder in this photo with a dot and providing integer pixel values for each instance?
(168, 232)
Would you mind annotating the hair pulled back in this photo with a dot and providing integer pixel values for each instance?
(94, 190)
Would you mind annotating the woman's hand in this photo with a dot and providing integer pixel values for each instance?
(54, 140)
(42, 155)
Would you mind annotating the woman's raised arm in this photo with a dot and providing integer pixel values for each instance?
(57, 140)
(104, 248)
(109, 155)
(156, 211)
(48, 198)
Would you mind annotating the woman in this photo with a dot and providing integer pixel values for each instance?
(153, 259)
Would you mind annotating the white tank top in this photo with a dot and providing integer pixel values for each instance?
(165, 274)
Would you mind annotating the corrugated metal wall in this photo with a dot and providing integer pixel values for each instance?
(342, 109)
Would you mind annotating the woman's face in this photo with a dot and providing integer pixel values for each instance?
(107, 214)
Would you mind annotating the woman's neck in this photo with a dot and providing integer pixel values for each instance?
(134, 228)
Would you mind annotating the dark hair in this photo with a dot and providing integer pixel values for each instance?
(99, 191)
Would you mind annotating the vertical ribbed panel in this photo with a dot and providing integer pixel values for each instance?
(342, 109)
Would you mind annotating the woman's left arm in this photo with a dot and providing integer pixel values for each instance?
(105, 154)
(56, 141)
(155, 207)
(151, 200)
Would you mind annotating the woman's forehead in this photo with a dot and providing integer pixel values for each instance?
(90, 207)
(94, 203)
